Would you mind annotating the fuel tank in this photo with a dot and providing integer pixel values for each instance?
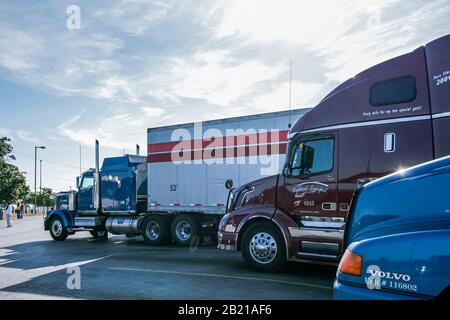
(124, 225)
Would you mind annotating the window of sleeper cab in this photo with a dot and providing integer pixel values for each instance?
(393, 91)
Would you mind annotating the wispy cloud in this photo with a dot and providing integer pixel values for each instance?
(120, 130)
(161, 62)
(218, 78)
(4, 132)
(135, 16)
(18, 134)
(25, 136)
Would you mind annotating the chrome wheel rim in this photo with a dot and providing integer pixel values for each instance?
(153, 230)
(263, 247)
(57, 228)
(183, 230)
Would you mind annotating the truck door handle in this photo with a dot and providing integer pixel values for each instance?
(329, 206)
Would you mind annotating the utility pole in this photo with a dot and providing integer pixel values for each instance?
(35, 175)
(40, 181)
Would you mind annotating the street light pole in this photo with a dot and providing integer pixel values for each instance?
(40, 180)
(35, 175)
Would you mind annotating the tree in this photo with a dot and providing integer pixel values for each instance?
(46, 198)
(12, 182)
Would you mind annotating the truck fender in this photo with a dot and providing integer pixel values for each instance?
(245, 223)
(64, 215)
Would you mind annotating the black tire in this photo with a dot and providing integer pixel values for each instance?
(273, 257)
(57, 230)
(186, 230)
(101, 235)
(155, 230)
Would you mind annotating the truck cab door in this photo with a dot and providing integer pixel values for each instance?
(309, 191)
(85, 199)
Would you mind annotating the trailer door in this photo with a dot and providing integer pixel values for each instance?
(310, 179)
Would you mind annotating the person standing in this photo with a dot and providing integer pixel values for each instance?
(8, 212)
(21, 209)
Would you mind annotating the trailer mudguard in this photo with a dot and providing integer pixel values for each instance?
(65, 216)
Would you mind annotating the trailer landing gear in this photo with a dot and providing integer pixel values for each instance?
(99, 235)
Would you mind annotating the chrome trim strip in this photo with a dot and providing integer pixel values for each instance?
(441, 115)
(323, 224)
(316, 233)
(368, 123)
(324, 244)
(316, 255)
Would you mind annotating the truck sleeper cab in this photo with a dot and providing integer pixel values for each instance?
(391, 116)
(398, 237)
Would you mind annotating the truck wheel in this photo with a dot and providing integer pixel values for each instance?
(155, 230)
(103, 235)
(263, 247)
(186, 230)
(57, 229)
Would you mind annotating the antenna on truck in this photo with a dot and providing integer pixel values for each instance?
(290, 93)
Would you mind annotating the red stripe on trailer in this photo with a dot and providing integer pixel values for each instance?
(220, 153)
(256, 138)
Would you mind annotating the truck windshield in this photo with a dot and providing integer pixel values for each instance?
(424, 197)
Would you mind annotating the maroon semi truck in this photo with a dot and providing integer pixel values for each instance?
(391, 116)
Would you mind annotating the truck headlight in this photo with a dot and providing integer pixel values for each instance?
(226, 224)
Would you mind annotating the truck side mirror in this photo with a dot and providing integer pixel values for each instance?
(78, 183)
(229, 184)
(307, 158)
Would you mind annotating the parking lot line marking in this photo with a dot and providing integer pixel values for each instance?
(214, 275)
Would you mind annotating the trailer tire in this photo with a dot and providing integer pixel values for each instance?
(57, 230)
(100, 235)
(186, 231)
(263, 247)
(155, 230)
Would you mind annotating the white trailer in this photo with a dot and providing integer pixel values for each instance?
(188, 165)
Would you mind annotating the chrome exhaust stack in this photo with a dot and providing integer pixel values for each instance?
(97, 180)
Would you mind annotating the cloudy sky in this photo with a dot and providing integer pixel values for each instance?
(135, 64)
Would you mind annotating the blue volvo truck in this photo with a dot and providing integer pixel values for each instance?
(398, 237)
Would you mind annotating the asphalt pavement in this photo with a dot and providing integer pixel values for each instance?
(33, 266)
